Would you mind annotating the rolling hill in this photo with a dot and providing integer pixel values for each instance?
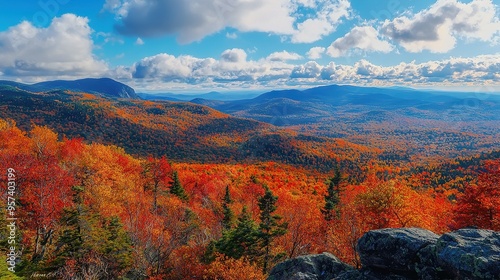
(181, 131)
(424, 123)
(104, 86)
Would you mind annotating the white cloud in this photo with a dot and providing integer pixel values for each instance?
(310, 69)
(234, 70)
(283, 56)
(234, 55)
(315, 52)
(232, 66)
(193, 20)
(63, 49)
(139, 41)
(436, 29)
(329, 15)
(364, 38)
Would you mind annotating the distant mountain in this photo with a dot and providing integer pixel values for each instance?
(226, 96)
(104, 86)
(311, 105)
(429, 123)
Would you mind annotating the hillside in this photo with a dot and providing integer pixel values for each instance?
(422, 123)
(192, 215)
(181, 131)
(103, 86)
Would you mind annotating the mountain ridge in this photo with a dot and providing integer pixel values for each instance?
(103, 86)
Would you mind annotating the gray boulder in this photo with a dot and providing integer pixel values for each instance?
(403, 254)
(470, 254)
(394, 250)
(311, 267)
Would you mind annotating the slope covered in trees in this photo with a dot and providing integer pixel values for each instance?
(93, 210)
(409, 125)
(181, 131)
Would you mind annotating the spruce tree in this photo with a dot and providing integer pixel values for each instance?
(270, 226)
(176, 188)
(331, 210)
(227, 220)
(242, 240)
(85, 234)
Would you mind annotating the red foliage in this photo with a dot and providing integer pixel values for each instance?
(479, 205)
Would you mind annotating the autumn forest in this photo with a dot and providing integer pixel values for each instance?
(125, 188)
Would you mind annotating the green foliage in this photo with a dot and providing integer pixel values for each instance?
(227, 220)
(248, 239)
(331, 210)
(89, 242)
(270, 226)
(177, 189)
(241, 240)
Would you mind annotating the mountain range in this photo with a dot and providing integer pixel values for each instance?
(290, 107)
(400, 122)
(104, 86)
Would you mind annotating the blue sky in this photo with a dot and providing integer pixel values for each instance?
(202, 45)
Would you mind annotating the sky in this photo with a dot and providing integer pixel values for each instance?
(229, 45)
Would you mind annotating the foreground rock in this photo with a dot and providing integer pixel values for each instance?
(408, 253)
(312, 267)
(470, 254)
(394, 250)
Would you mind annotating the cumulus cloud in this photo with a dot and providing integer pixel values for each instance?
(436, 29)
(234, 55)
(315, 52)
(330, 14)
(62, 49)
(233, 70)
(364, 38)
(193, 20)
(283, 56)
(310, 69)
(475, 70)
(230, 67)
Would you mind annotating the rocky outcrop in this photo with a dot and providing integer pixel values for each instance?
(406, 253)
(312, 267)
(470, 254)
(394, 250)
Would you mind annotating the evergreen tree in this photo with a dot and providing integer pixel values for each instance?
(331, 210)
(270, 226)
(227, 220)
(176, 188)
(76, 221)
(87, 235)
(241, 240)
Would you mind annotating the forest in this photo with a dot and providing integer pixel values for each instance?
(87, 210)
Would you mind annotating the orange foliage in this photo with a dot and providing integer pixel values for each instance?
(224, 268)
(169, 236)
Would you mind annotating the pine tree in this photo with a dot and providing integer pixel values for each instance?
(176, 188)
(331, 210)
(75, 220)
(88, 235)
(227, 220)
(242, 240)
(270, 226)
